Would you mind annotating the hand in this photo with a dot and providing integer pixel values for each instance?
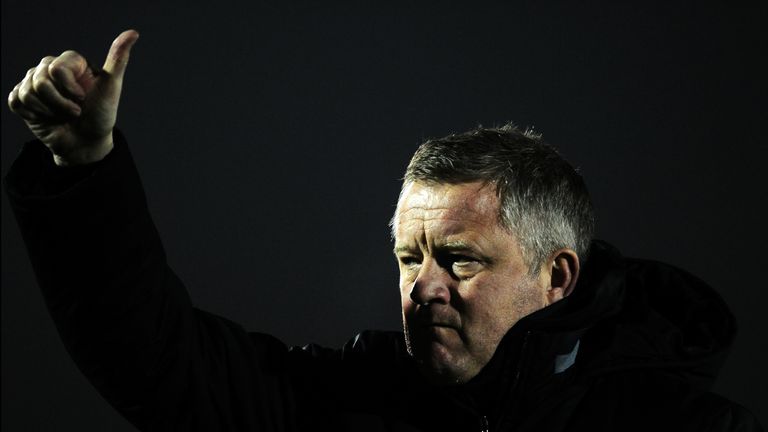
(69, 106)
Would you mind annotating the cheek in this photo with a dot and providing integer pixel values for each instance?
(406, 277)
(405, 295)
(497, 303)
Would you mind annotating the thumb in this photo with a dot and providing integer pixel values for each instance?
(117, 59)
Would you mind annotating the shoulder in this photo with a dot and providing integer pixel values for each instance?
(653, 400)
(376, 343)
(368, 344)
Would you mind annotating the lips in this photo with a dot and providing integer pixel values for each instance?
(437, 325)
(430, 332)
(427, 318)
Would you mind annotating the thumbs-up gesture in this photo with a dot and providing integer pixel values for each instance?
(71, 107)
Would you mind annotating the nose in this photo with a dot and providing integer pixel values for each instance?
(432, 285)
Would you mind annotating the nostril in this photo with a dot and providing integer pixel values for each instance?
(414, 297)
(426, 292)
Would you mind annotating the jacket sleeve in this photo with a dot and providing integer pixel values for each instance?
(126, 318)
(731, 417)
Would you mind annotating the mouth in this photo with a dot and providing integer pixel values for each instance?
(440, 325)
(437, 330)
(433, 320)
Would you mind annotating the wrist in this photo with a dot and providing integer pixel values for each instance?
(85, 154)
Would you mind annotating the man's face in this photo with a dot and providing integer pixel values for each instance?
(463, 279)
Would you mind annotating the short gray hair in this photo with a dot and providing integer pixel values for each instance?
(544, 201)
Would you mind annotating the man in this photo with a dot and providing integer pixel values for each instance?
(514, 319)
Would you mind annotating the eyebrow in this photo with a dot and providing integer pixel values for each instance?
(401, 249)
(454, 246)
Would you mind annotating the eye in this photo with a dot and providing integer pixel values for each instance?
(462, 260)
(409, 260)
(464, 264)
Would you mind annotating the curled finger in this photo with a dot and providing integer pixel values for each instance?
(13, 98)
(65, 70)
(47, 92)
(30, 100)
(14, 103)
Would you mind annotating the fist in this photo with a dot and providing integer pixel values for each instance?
(72, 107)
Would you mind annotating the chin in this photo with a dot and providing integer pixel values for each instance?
(440, 376)
(438, 363)
(441, 367)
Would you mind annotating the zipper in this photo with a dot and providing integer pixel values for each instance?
(484, 424)
(514, 395)
(514, 389)
(520, 361)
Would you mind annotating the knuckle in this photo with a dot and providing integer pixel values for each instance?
(70, 54)
(37, 82)
(38, 70)
(23, 94)
(46, 59)
(57, 68)
(42, 86)
(40, 76)
(13, 99)
(14, 104)
(64, 65)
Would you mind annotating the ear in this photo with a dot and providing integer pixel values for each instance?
(563, 273)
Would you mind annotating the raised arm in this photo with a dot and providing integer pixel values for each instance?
(124, 316)
(69, 106)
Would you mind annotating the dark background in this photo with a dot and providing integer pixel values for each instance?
(271, 137)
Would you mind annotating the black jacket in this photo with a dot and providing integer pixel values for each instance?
(634, 348)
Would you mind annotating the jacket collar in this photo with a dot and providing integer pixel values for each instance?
(546, 343)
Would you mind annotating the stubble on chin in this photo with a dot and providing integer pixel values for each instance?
(437, 355)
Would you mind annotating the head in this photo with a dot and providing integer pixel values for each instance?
(491, 225)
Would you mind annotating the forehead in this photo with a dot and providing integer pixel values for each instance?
(450, 207)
